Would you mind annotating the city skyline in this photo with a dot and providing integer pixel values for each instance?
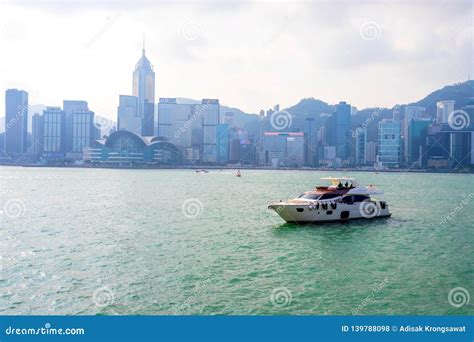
(98, 57)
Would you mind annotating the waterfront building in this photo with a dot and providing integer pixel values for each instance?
(37, 135)
(460, 145)
(128, 118)
(247, 152)
(191, 126)
(371, 152)
(83, 130)
(80, 130)
(234, 151)
(411, 112)
(337, 130)
(416, 140)
(223, 143)
(175, 121)
(16, 121)
(54, 132)
(284, 149)
(361, 146)
(125, 148)
(144, 91)
(389, 144)
(469, 109)
(207, 113)
(310, 131)
(437, 147)
(70, 107)
(443, 109)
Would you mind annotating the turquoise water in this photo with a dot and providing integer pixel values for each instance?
(97, 241)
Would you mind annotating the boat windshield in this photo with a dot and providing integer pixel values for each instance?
(310, 196)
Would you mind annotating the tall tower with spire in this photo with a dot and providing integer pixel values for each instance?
(144, 90)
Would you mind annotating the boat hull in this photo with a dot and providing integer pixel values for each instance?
(299, 213)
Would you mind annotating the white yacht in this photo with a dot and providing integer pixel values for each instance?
(342, 200)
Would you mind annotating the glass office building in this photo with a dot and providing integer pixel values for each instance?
(389, 143)
(54, 128)
(16, 121)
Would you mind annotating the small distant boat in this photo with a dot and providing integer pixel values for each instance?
(342, 200)
(238, 173)
(202, 171)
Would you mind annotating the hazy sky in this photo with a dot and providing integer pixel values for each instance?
(250, 55)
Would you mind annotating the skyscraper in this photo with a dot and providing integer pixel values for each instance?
(443, 109)
(411, 112)
(37, 134)
(416, 139)
(310, 140)
(338, 130)
(16, 121)
(361, 147)
(83, 130)
(175, 121)
(389, 143)
(128, 118)
(207, 113)
(223, 143)
(79, 126)
(54, 129)
(284, 149)
(69, 107)
(144, 90)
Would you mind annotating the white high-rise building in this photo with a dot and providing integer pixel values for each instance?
(443, 109)
(144, 90)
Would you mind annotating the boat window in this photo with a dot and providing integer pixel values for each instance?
(360, 198)
(309, 196)
(348, 199)
(355, 198)
(329, 196)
